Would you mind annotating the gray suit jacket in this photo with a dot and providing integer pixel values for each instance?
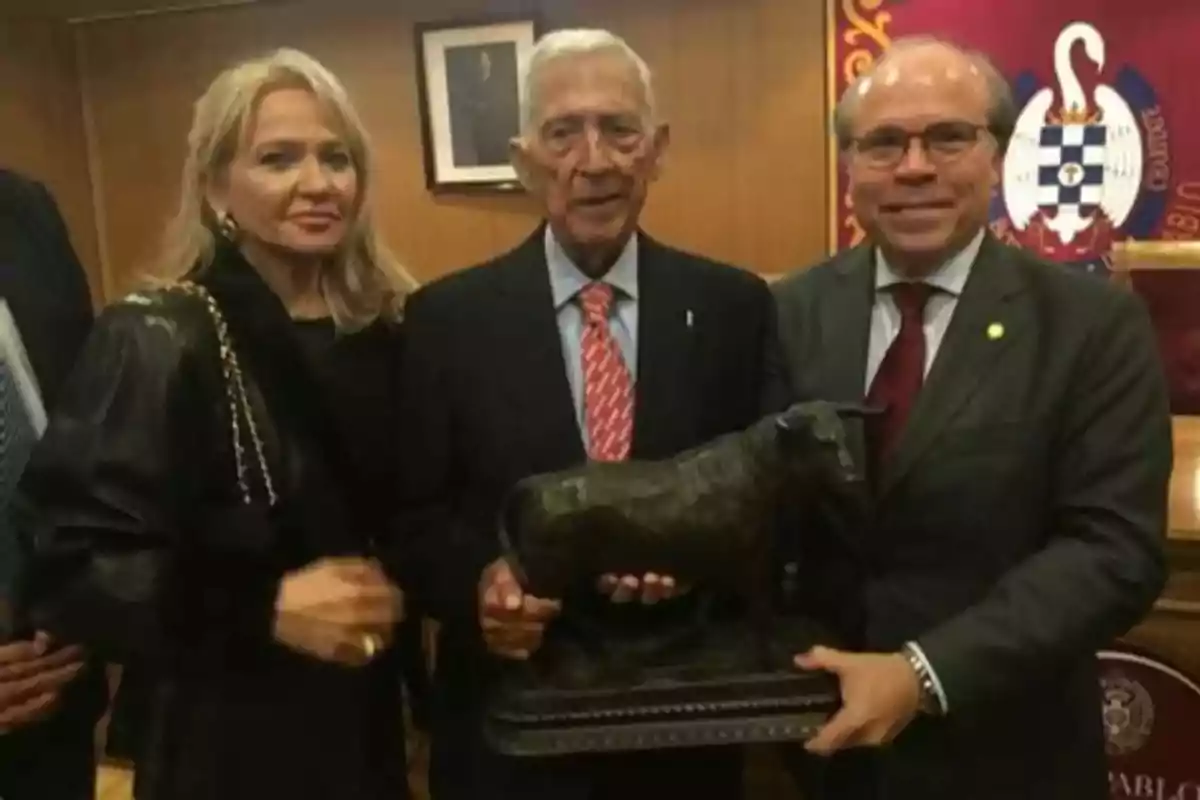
(1019, 523)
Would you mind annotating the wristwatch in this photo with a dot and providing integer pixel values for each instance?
(929, 702)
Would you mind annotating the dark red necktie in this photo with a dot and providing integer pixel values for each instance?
(902, 371)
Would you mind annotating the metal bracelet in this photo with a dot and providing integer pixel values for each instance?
(929, 696)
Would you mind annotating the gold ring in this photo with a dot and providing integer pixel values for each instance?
(371, 644)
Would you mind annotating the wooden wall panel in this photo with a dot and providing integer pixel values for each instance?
(42, 132)
(1172, 630)
(741, 83)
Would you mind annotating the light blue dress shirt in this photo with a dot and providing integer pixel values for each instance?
(17, 438)
(566, 280)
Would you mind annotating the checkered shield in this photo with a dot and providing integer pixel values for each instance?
(1071, 167)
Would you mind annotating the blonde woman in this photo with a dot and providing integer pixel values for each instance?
(210, 490)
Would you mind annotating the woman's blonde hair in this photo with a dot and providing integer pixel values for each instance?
(364, 281)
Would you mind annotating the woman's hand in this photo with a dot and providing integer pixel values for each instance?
(342, 610)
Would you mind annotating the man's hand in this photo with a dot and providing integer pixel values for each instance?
(512, 621)
(880, 696)
(650, 588)
(31, 679)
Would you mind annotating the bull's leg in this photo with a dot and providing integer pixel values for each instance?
(758, 578)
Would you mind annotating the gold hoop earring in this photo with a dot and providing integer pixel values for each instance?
(228, 226)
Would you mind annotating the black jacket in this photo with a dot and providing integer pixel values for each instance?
(147, 555)
(42, 280)
(487, 402)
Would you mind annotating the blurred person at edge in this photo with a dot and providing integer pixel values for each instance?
(237, 572)
(50, 700)
(1020, 467)
(497, 386)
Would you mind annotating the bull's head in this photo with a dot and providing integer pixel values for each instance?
(813, 446)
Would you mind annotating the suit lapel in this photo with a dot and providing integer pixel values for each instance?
(663, 400)
(543, 399)
(845, 322)
(985, 324)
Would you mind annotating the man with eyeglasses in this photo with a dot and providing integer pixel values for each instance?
(590, 340)
(1018, 467)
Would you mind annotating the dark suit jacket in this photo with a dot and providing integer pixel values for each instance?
(1019, 524)
(47, 292)
(42, 280)
(489, 403)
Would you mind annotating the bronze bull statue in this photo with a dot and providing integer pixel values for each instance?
(611, 678)
(698, 516)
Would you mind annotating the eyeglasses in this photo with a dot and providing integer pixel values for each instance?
(942, 143)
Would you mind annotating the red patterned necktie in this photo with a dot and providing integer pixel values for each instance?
(902, 371)
(608, 387)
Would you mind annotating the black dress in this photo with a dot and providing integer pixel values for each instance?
(147, 555)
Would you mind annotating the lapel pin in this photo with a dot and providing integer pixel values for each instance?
(995, 331)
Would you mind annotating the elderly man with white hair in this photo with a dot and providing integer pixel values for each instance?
(589, 340)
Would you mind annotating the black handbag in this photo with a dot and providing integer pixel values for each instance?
(714, 667)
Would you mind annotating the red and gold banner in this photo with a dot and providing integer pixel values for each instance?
(1106, 101)
(858, 35)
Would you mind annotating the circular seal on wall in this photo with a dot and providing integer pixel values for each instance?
(1128, 714)
(1149, 710)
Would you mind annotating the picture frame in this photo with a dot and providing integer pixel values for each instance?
(469, 94)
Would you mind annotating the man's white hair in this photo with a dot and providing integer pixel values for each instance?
(573, 43)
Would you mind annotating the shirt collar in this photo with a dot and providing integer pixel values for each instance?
(950, 277)
(566, 279)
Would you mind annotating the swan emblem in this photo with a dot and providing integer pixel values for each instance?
(1079, 164)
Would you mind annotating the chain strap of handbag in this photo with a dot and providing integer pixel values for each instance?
(240, 410)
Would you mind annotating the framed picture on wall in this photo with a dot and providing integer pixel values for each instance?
(469, 91)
